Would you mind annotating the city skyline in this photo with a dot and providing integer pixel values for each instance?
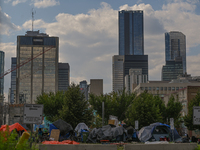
(88, 33)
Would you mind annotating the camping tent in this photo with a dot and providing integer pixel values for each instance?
(63, 126)
(156, 131)
(81, 126)
(16, 126)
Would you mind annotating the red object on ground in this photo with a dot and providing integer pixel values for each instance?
(63, 142)
(12, 127)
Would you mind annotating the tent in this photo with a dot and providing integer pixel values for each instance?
(16, 126)
(80, 126)
(108, 132)
(63, 126)
(156, 131)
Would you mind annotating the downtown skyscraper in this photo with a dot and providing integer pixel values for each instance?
(131, 48)
(41, 73)
(131, 33)
(175, 46)
(175, 55)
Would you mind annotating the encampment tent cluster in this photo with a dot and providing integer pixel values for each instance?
(110, 133)
(153, 132)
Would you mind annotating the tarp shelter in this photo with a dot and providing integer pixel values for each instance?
(108, 132)
(156, 131)
(63, 126)
(80, 126)
(16, 126)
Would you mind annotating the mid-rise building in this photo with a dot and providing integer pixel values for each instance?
(162, 88)
(134, 78)
(63, 76)
(172, 70)
(84, 87)
(131, 32)
(40, 73)
(122, 65)
(2, 63)
(96, 86)
(13, 80)
(118, 72)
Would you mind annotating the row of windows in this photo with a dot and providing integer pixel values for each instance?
(161, 88)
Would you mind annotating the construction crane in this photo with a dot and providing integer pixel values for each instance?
(24, 62)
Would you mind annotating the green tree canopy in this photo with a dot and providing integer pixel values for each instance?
(115, 103)
(173, 110)
(70, 106)
(188, 119)
(145, 110)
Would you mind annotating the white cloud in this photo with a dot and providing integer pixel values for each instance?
(88, 41)
(15, 2)
(6, 26)
(45, 3)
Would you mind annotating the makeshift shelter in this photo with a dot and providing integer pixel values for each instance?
(63, 126)
(16, 126)
(108, 132)
(80, 126)
(156, 132)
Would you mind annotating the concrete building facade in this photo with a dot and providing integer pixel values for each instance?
(162, 88)
(96, 86)
(41, 73)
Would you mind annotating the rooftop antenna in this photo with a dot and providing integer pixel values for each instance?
(33, 12)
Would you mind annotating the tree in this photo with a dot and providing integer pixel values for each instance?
(173, 110)
(188, 119)
(145, 110)
(115, 103)
(70, 106)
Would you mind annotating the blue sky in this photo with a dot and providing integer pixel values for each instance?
(88, 32)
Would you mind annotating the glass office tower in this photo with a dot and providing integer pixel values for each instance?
(41, 73)
(175, 46)
(131, 33)
(63, 76)
(172, 69)
(2, 62)
(13, 80)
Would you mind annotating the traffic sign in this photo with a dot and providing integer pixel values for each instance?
(196, 115)
(33, 113)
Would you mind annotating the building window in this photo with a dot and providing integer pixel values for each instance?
(177, 88)
(154, 88)
(141, 88)
(149, 88)
(161, 88)
(169, 88)
(157, 89)
(165, 88)
(146, 88)
(173, 88)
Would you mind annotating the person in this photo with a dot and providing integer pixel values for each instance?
(40, 134)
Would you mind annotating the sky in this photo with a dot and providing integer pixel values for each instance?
(88, 32)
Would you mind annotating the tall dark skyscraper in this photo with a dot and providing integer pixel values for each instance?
(131, 33)
(131, 48)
